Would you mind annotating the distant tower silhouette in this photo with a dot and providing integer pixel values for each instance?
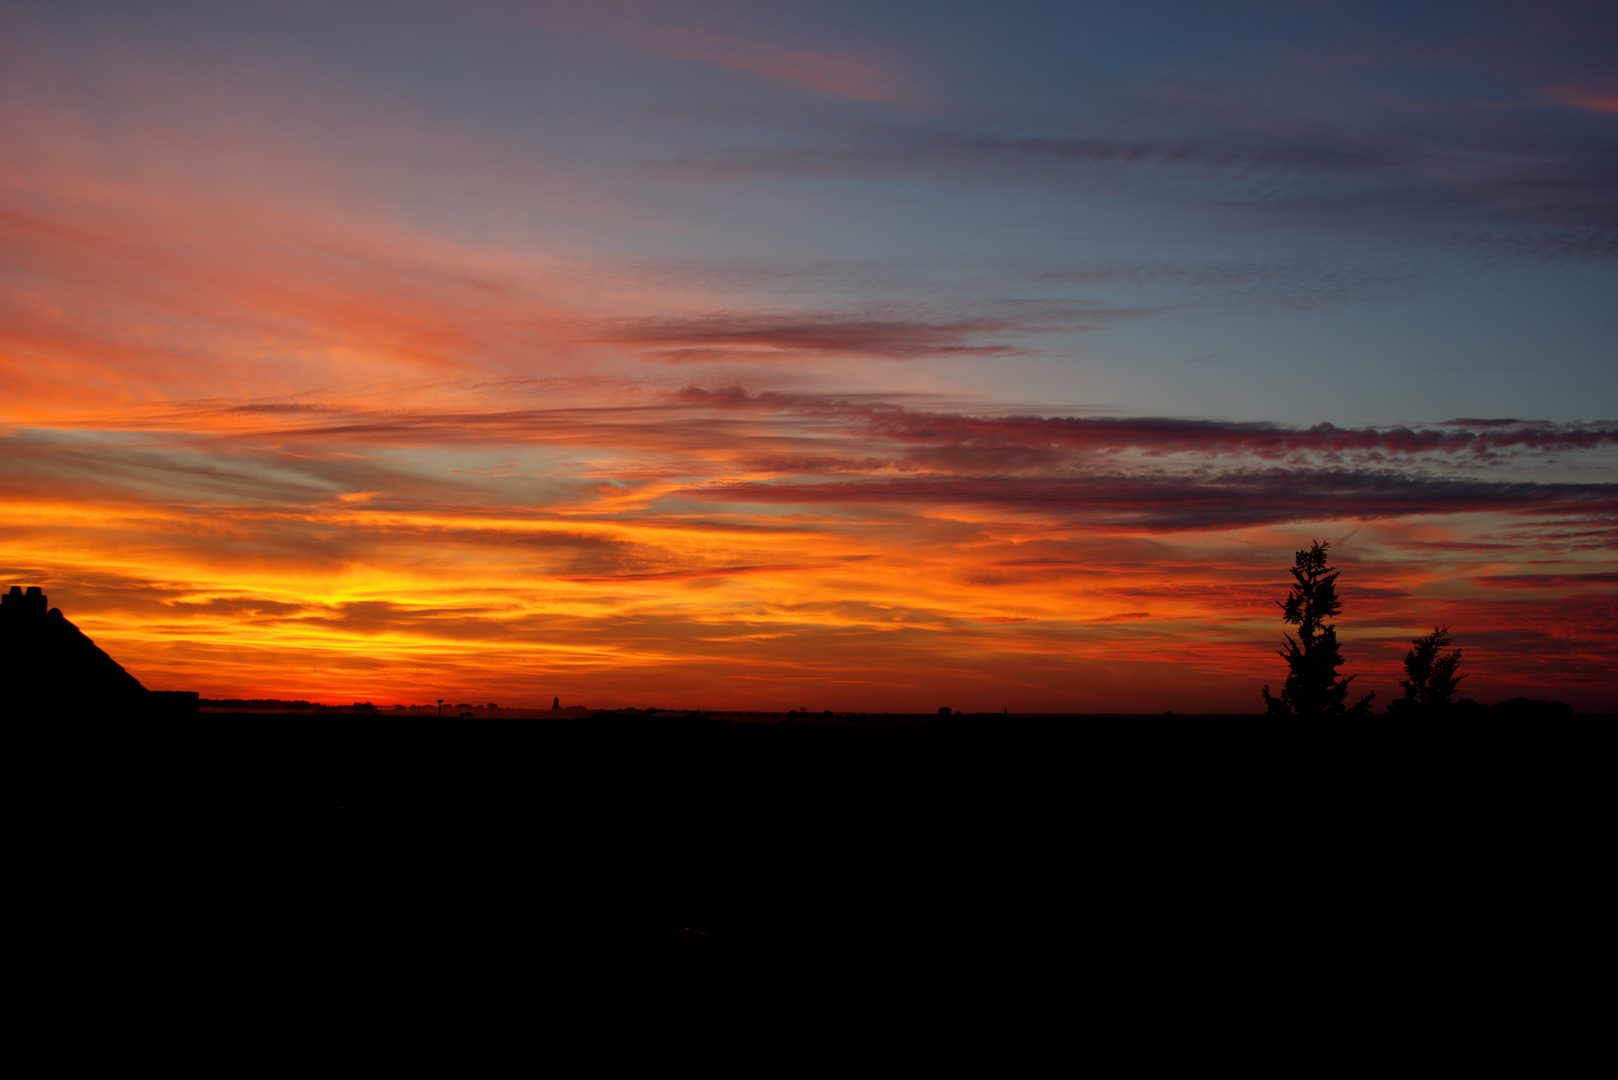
(556, 703)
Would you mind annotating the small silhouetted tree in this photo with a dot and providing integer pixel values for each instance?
(1313, 687)
(1431, 673)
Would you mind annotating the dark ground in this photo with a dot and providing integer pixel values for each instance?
(1145, 859)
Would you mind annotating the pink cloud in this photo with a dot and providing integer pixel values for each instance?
(861, 75)
(1602, 97)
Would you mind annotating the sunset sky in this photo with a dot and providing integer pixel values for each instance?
(864, 356)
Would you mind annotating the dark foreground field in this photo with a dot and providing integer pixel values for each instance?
(1144, 858)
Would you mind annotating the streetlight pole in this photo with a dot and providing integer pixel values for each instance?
(441, 708)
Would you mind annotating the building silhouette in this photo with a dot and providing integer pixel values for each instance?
(50, 668)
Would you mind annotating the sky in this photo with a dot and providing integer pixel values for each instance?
(863, 357)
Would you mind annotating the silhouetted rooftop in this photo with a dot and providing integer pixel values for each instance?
(58, 670)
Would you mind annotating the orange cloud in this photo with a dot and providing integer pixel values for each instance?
(621, 555)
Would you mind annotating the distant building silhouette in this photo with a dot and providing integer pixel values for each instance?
(52, 669)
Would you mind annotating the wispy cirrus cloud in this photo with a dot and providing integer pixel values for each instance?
(1225, 501)
(1549, 581)
(1499, 180)
(856, 73)
(1590, 101)
(791, 432)
(1162, 434)
(729, 446)
(891, 335)
(764, 43)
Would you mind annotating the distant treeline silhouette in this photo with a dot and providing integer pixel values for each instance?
(366, 708)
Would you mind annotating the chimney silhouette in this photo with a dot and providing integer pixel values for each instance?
(20, 608)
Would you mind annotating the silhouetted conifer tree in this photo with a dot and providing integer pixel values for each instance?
(1431, 678)
(1313, 687)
